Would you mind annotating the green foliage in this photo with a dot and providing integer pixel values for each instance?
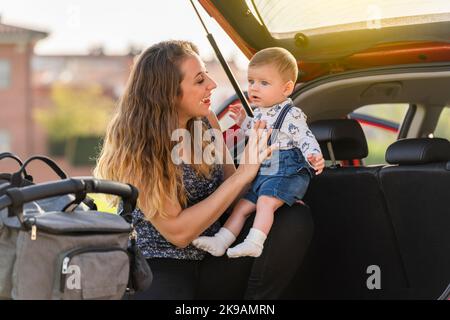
(83, 151)
(77, 112)
(377, 150)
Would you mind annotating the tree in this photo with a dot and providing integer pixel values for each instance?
(76, 112)
(76, 122)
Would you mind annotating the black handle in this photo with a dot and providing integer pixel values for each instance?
(5, 155)
(10, 155)
(16, 178)
(52, 164)
(16, 197)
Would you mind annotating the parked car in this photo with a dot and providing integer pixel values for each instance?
(381, 231)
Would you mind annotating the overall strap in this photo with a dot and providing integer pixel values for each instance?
(278, 123)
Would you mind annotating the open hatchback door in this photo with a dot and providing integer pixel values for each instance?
(329, 37)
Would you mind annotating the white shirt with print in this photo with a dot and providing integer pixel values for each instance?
(294, 131)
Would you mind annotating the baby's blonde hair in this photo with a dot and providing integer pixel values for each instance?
(281, 58)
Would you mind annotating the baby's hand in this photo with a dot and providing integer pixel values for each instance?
(317, 162)
(237, 113)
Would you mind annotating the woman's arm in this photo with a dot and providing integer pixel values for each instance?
(184, 225)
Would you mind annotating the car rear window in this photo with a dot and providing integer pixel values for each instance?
(443, 127)
(378, 135)
(284, 17)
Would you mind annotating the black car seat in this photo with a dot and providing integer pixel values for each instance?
(417, 189)
(352, 229)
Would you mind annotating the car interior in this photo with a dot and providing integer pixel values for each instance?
(394, 216)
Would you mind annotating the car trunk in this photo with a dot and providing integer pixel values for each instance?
(366, 225)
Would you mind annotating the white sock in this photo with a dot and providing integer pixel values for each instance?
(252, 245)
(216, 245)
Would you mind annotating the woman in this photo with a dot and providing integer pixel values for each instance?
(169, 91)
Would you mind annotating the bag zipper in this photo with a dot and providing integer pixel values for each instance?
(69, 255)
(31, 224)
(33, 232)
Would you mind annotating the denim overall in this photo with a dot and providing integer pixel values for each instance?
(285, 175)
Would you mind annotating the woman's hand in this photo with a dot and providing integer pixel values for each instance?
(237, 113)
(255, 152)
(185, 225)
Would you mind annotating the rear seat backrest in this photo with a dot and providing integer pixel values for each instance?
(417, 189)
(352, 227)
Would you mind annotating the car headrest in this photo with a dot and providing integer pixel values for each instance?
(418, 151)
(345, 135)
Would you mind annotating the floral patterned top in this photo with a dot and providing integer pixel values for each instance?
(152, 243)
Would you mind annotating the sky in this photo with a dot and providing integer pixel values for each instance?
(77, 25)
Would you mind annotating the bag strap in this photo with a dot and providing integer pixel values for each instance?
(129, 206)
(79, 197)
(6, 155)
(17, 202)
(17, 182)
(278, 123)
(16, 178)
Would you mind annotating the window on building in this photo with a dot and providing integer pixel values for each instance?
(5, 141)
(5, 73)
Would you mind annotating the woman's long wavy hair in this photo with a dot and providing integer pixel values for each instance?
(137, 146)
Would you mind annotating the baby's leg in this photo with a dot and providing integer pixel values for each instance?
(254, 242)
(240, 213)
(218, 244)
(265, 208)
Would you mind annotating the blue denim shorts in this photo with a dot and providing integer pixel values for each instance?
(286, 176)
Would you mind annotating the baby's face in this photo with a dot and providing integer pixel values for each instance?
(266, 87)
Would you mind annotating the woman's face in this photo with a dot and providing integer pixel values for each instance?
(196, 88)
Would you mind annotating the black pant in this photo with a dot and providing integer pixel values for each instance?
(173, 279)
(265, 277)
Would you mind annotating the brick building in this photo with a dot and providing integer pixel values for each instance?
(16, 123)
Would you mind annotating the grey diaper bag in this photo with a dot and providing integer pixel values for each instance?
(52, 249)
